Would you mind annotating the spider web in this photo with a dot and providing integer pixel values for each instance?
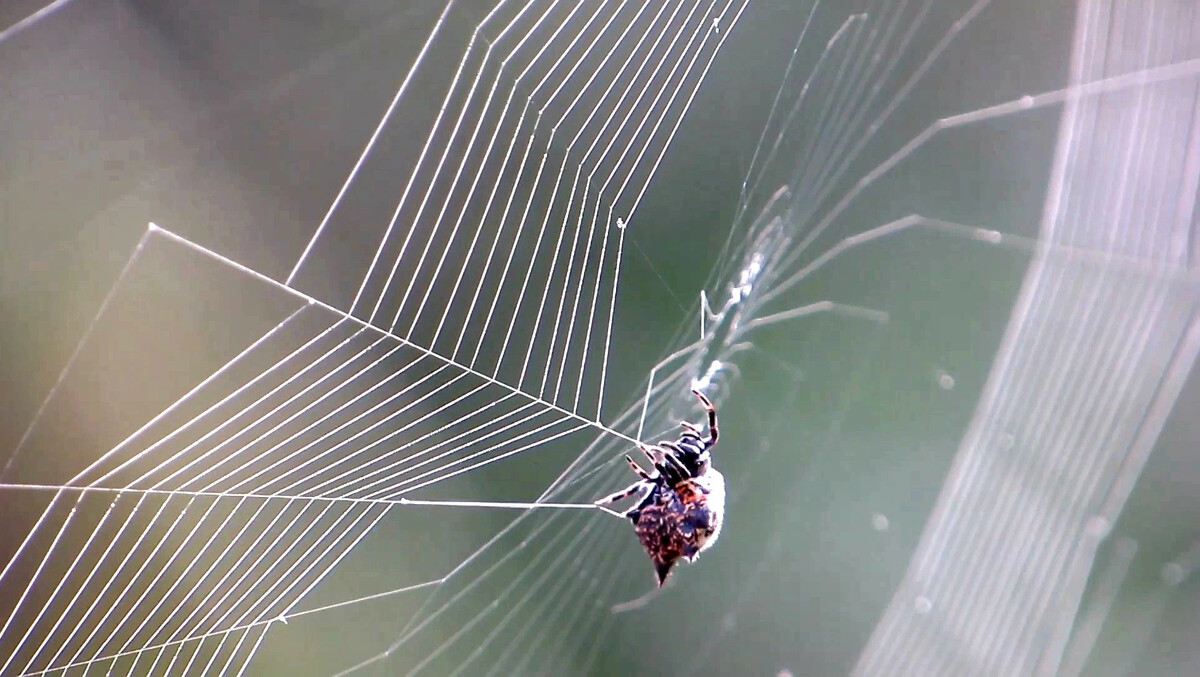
(409, 447)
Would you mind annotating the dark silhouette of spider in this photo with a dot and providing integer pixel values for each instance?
(682, 503)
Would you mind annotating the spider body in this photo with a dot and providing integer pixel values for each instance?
(683, 503)
(680, 522)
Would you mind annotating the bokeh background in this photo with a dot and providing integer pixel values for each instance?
(234, 123)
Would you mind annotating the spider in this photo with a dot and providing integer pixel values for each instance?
(683, 503)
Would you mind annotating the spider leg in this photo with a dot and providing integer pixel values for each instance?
(622, 494)
(691, 429)
(655, 456)
(659, 459)
(649, 452)
(673, 460)
(638, 469)
(712, 418)
(610, 511)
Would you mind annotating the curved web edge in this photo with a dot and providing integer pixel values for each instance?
(1091, 364)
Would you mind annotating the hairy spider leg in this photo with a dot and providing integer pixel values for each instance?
(654, 455)
(669, 472)
(638, 469)
(673, 459)
(648, 452)
(691, 436)
(622, 494)
(712, 418)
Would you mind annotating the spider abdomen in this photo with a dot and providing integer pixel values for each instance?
(680, 522)
(683, 502)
